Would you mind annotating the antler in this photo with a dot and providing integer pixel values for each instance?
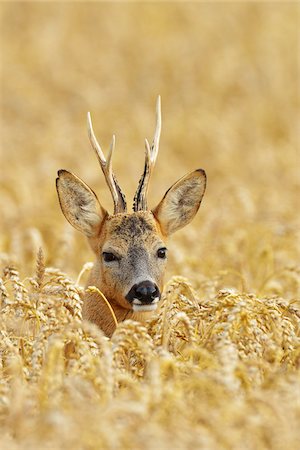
(140, 198)
(106, 166)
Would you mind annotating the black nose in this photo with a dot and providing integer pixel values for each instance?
(146, 292)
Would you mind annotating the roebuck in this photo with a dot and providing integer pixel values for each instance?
(130, 248)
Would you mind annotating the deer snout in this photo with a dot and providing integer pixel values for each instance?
(144, 296)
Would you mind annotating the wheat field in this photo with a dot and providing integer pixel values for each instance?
(218, 367)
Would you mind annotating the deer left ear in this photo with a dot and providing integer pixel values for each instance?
(181, 202)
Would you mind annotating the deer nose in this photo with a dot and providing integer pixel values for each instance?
(145, 292)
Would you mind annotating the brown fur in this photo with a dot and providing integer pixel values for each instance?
(134, 238)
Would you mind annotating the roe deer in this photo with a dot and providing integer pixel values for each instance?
(130, 248)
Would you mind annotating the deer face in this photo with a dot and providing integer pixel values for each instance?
(130, 248)
(131, 257)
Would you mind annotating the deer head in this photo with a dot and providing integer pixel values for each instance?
(130, 248)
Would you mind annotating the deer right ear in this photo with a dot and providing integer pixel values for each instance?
(79, 204)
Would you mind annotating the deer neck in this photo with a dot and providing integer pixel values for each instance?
(96, 310)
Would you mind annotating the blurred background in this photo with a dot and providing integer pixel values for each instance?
(228, 76)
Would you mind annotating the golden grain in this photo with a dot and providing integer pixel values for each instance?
(218, 366)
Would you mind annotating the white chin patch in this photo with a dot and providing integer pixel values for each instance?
(138, 306)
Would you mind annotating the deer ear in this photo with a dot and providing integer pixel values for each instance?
(181, 202)
(79, 204)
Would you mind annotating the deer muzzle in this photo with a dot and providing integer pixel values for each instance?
(144, 296)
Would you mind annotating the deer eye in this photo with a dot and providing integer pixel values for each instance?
(162, 253)
(108, 257)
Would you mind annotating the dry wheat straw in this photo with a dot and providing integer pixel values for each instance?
(95, 289)
(218, 366)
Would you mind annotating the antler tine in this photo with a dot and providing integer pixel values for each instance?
(140, 198)
(155, 144)
(106, 166)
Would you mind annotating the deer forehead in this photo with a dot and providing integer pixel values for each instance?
(128, 231)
